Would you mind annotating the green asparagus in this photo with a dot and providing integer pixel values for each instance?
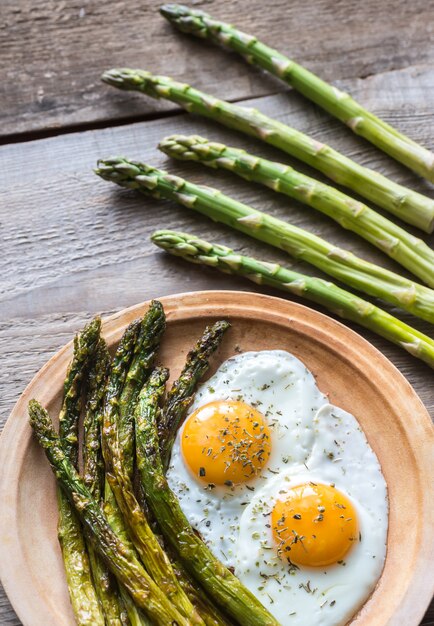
(118, 374)
(85, 345)
(119, 558)
(151, 329)
(337, 300)
(406, 204)
(411, 252)
(217, 580)
(114, 517)
(342, 264)
(135, 616)
(84, 599)
(93, 464)
(178, 401)
(181, 393)
(93, 477)
(119, 370)
(119, 460)
(211, 615)
(333, 100)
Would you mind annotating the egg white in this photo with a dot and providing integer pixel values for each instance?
(311, 441)
(278, 385)
(330, 595)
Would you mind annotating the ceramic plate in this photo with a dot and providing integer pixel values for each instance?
(353, 373)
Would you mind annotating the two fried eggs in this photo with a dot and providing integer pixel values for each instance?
(284, 488)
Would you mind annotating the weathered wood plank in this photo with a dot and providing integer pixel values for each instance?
(66, 220)
(73, 245)
(54, 52)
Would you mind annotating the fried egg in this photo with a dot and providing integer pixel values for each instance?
(312, 543)
(284, 488)
(272, 389)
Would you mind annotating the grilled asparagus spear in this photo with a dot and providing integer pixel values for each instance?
(111, 510)
(217, 580)
(119, 454)
(114, 517)
(118, 556)
(181, 394)
(93, 477)
(82, 592)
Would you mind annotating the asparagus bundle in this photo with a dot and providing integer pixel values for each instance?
(332, 297)
(121, 560)
(132, 363)
(334, 101)
(406, 204)
(341, 264)
(84, 599)
(105, 531)
(123, 385)
(411, 252)
(181, 394)
(240, 604)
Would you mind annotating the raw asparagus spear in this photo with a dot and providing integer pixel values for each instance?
(406, 204)
(333, 100)
(342, 264)
(216, 579)
(93, 477)
(332, 297)
(411, 252)
(118, 458)
(82, 592)
(181, 394)
(119, 558)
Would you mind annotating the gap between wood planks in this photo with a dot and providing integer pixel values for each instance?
(98, 125)
(33, 135)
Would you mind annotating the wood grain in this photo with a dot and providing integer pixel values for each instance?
(53, 52)
(77, 245)
(334, 354)
(72, 245)
(80, 223)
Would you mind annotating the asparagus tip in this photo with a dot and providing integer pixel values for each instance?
(124, 77)
(175, 12)
(168, 10)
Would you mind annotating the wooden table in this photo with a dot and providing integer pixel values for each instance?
(73, 245)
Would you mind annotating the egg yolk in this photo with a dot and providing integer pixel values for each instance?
(225, 442)
(314, 525)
